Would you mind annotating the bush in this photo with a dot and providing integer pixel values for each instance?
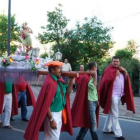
(132, 65)
(124, 54)
(44, 55)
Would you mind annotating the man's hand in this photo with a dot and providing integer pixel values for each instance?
(53, 124)
(122, 69)
(71, 80)
(98, 103)
(118, 73)
(70, 85)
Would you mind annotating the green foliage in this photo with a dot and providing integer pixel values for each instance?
(131, 46)
(104, 64)
(128, 52)
(15, 33)
(124, 54)
(54, 30)
(132, 65)
(44, 55)
(89, 41)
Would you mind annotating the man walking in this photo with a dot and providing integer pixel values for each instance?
(52, 109)
(114, 87)
(66, 67)
(6, 96)
(85, 109)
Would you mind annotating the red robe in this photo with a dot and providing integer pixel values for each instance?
(80, 111)
(30, 98)
(106, 87)
(39, 113)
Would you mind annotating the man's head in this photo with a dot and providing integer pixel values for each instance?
(92, 66)
(55, 67)
(55, 70)
(116, 61)
(81, 67)
(66, 61)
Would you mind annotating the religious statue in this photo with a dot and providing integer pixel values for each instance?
(26, 39)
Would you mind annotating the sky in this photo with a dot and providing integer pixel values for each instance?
(123, 15)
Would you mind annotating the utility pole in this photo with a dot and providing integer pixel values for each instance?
(9, 25)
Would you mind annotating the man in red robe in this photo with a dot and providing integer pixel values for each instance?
(77, 79)
(115, 86)
(85, 109)
(25, 97)
(52, 110)
(30, 98)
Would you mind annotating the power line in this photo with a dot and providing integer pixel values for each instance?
(124, 17)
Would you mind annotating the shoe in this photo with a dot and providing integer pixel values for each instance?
(111, 132)
(1, 124)
(12, 119)
(8, 127)
(120, 138)
(78, 138)
(25, 120)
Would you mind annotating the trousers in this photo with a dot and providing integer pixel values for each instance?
(112, 123)
(23, 101)
(49, 133)
(7, 107)
(92, 115)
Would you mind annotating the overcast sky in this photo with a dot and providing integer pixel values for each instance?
(123, 15)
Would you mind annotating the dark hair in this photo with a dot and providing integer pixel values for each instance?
(115, 57)
(91, 65)
(50, 68)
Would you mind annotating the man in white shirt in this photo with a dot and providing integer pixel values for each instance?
(66, 67)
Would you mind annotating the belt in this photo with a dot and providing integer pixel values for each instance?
(22, 91)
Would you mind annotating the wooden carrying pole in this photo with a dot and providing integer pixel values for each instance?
(64, 73)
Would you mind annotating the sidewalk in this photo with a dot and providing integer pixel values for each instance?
(122, 108)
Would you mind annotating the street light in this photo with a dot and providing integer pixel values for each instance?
(58, 55)
(35, 52)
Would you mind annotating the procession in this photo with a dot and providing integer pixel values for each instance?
(72, 85)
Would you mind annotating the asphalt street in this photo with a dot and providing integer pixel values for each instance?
(130, 128)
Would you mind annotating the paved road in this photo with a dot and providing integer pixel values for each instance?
(131, 130)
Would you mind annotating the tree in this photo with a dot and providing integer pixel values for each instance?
(15, 33)
(89, 41)
(131, 46)
(124, 54)
(54, 30)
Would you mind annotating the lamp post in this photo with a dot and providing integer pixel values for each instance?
(9, 24)
(58, 55)
(35, 52)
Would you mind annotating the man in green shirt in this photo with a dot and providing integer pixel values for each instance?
(85, 104)
(52, 109)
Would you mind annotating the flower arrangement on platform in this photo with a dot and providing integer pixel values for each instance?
(34, 64)
(6, 61)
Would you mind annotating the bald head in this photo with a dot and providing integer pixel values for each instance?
(81, 67)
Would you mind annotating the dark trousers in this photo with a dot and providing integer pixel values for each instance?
(92, 108)
(23, 101)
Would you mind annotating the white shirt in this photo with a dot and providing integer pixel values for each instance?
(66, 67)
(118, 86)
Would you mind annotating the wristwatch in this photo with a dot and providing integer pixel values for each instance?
(51, 119)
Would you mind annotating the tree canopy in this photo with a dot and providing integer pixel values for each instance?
(15, 33)
(89, 41)
(54, 30)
